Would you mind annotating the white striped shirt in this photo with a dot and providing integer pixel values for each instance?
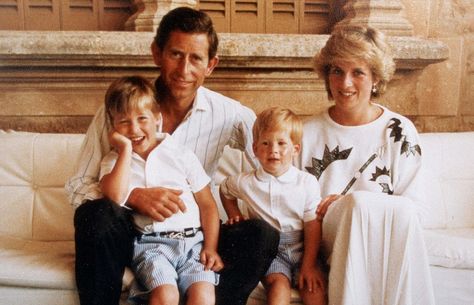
(213, 122)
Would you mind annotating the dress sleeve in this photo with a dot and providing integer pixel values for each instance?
(83, 185)
(407, 175)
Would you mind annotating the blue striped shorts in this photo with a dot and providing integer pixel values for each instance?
(160, 260)
(290, 254)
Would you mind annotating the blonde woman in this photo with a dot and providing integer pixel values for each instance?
(367, 159)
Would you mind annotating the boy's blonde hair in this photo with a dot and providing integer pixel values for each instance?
(278, 118)
(126, 93)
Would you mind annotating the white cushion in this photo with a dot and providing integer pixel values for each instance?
(451, 248)
(449, 179)
(30, 263)
(33, 171)
(258, 296)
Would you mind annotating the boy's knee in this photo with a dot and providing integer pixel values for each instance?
(201, 293)
(276, 281)
(165, 294)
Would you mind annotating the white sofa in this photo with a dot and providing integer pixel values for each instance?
(36, 231)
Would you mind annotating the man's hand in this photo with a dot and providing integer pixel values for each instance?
(158, 203)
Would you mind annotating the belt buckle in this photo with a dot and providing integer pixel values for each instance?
(189, 232)
(176, 235)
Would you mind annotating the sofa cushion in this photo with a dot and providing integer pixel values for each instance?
(449, 179)
(32, 176)
(452, 248)
(29, 263)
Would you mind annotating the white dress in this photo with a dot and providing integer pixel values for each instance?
(372, 236)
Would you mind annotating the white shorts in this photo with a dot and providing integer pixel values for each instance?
(290, 254)
(160, 260)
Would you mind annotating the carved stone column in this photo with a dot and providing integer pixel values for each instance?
(386, 15)
(150, 12)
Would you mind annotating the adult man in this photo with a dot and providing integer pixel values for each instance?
(185, 50)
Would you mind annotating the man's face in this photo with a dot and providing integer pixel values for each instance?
(184, 63)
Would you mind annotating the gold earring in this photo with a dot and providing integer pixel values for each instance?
(374, 89)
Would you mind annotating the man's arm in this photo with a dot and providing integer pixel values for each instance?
(83, 185)
(242, 137)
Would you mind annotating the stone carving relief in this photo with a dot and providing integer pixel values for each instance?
(455, 17)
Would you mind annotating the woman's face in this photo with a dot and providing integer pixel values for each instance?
(351, 83)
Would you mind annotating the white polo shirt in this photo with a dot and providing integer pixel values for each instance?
(168, 165)
(285, 202)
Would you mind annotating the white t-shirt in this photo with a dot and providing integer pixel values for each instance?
(285, 202)
(168, 165)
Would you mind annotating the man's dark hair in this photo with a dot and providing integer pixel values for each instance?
(187, 20)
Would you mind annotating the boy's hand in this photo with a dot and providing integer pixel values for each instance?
(211, 260)
(310, 278)
(324, 205)
(118, 141)
(234, 220)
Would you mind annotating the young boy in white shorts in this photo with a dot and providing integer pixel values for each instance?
(286, 198)
(179, 255)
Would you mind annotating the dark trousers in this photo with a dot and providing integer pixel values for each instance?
(104, 236)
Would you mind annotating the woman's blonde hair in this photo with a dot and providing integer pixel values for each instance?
(126, 93)
(351, 42)
(277, 118)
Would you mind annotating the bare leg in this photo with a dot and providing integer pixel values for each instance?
(164, 295)
(278, 289)
(316, 297)
(201, 293)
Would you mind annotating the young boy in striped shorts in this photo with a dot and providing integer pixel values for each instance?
(286, 198)
(177, 257)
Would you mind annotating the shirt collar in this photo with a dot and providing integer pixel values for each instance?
(288, 177)
(201, 101)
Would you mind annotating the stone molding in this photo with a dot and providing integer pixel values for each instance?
(55, 81)
(385, 15)
(150, 12)
(236, 51)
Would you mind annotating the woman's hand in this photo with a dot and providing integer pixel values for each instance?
(324, 205)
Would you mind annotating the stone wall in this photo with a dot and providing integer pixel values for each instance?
(54, 81)
(446, 90)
